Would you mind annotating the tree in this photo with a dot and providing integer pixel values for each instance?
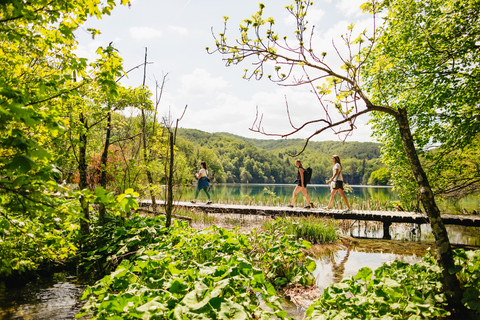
(458, 171)
(245, 176)
(122, 98)
(38, 64)
(171, 131)
(344, 91)
(379, 177)
(428, 54)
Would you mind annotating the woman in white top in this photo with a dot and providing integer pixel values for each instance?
(202, 183)
(337, 183)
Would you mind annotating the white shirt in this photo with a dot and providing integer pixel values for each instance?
(339, 176)
(202, 173)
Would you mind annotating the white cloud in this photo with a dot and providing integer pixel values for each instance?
(179, 30)
(88, 51)
(350, 8)
(144, 33)
(201, 83)
(314, 17)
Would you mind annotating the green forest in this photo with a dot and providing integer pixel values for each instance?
(78, 150)
(235, 159)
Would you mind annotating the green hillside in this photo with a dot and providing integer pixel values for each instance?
(349, 149)
(237, 159)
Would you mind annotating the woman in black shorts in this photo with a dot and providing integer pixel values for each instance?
(301, 185)
(337, 184)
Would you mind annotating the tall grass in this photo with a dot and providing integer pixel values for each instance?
(314, 229)
(357, 203)
(197, 216)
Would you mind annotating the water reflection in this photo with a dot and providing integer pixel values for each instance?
(269, 193)
(371, 253)
(56, 298)
(458, 235)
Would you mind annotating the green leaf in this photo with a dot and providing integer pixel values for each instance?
(195, 299)
(311, 265)
(364, 274)
(177, 286)
(23, 163)
(151, 306)
(232, 311)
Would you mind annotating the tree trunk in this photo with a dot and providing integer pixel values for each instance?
(147, 162)
(451, 283)
(82, 168)
(104, 161)
(146, 158)
(170, 181)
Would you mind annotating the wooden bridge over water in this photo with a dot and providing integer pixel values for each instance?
(386, 217)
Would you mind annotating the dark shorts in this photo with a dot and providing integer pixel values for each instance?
(299, 183)
(338, 185)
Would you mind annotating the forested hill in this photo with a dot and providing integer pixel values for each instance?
(349, 149)
(237, 159)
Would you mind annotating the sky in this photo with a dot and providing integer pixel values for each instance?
(176, 34)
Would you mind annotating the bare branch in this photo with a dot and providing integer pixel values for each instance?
(136, 67)
(178, 120)
(127, 138)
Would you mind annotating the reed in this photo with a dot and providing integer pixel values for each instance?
(357, 203)
(274, 196)
(313, 229)
(197, 216)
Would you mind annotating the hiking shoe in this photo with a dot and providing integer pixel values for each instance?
(346, 210)
(307, 207)
(193, 201)
(209, 202)
(290, 206)
(325, 208)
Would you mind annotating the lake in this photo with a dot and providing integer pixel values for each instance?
(361, 197)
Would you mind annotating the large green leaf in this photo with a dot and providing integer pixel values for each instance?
(21, 163)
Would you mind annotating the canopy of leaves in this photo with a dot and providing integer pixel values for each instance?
(426, 59)
(38, 74)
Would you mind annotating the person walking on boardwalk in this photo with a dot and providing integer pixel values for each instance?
(202, 183)
(337, 183)
(301, 185)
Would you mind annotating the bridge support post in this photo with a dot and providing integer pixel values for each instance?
(386, 230)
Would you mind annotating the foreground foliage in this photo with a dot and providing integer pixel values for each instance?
(182, 273)
(313, 229)
(399, 291)
(40, 83)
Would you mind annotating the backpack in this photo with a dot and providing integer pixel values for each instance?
(307, 175)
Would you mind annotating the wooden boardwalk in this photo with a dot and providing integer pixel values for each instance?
(387, 217)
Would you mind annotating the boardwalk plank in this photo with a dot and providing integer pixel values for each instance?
(366, 215)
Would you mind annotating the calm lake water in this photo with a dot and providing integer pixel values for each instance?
(53, 298)
(361, 197)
